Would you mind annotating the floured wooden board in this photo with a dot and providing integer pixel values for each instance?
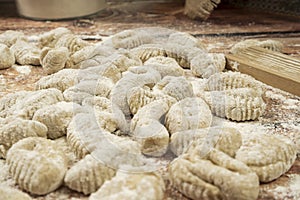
(281, 117)
(273, 68)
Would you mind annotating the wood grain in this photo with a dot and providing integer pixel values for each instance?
(273, 68)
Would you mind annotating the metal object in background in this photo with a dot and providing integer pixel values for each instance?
(290, 7)
(58, 9)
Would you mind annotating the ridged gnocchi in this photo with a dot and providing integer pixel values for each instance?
(185, 39)
(137, 76)
(148, 129)
(216, 176)
(206, 64)
(36, 100)
(9, 100)
(165, 66)
(88, 175)
(129, 39)
(72, 42)
(36, 165)
(236, 104)
(176, 87)
(138, 97)
(54, 60)
(181, 54)
(231, 80)
(108, 115)
(10, 37)
(26, 53)
(50, 38)
(7, 58)
(56, 117)
(135, 186)
(226, 139)
(89, 88)
(14, 129)
(60, 80)
(269, 156)
(189, 113)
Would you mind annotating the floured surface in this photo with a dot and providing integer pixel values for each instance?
(281, 117)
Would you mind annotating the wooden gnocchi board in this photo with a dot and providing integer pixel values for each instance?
(273, 68)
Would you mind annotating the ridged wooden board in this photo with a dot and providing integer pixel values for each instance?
(273, 68)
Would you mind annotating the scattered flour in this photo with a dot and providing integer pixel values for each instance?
(243, 127)
(234, 65)
(273, 95)
(22, 69)
(291, 191)
(291, 104)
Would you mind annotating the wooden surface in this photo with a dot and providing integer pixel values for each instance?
(270, 67)
(225, 27)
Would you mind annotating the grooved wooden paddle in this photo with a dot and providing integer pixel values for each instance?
(273, 68)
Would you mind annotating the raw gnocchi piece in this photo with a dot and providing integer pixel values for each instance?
(84, 137)
(189, 113)
(226, 139)
(237, 104)
(152, 136)
(7, 58)
(79, 127)
(60, 80)
(9, 193)
(129, 39)
(138, 97)
(88, 53)
(49, 39)
(155, 110)
(10, 37)
(89, 88)
(132, 186)
(148, 129)
(119, 153)
(185, 39)
(165, 66)
(215, 176)
(109, 117)
(206, 64)
(54, 60)
(56, 117)
(176, 87)
(269, 156)
(13, 130)
(10, 100)
(200, 10)
(72, 42)
(88, 175)
(135, 76)
(267, 44)
(37, 165)
(230, 80)
(107, 70)
(124, 60)
(182, 54)
(36, 100)
(26, 53)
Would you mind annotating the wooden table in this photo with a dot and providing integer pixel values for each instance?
(226, 26)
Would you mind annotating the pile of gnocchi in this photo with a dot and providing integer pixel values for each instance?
(124, 101)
